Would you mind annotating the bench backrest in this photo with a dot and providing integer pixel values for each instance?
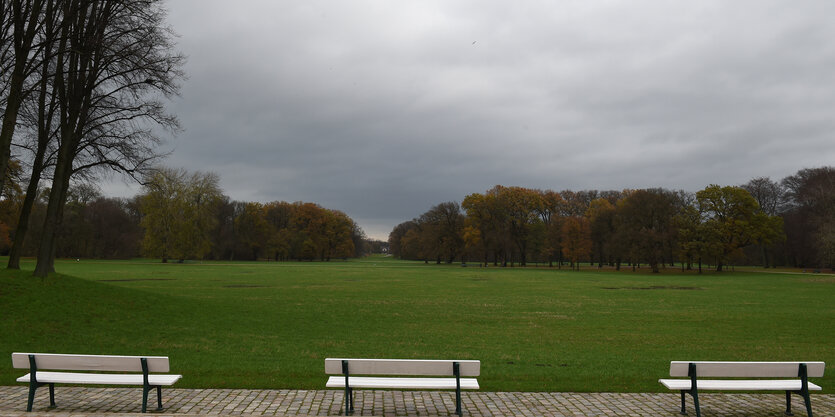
(747, 369)
(62, 362)
(333, 366)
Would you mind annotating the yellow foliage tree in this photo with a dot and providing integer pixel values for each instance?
(576, 240)
(178, 214)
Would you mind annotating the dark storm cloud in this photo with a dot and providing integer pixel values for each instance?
(383, 109)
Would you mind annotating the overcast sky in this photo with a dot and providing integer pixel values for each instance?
(385, 108)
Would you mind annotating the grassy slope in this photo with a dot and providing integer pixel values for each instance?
(270, 325)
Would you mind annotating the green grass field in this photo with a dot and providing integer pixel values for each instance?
(270, 325)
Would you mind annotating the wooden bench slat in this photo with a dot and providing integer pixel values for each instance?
(112, 363)
(333, 366)
(738, 384)
(747, 369)
(101, 379)
(402, 383)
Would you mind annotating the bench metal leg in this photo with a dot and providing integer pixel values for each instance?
(32, 387)
(694, 388)
(159, 398)
(695, 395)
(349, 400)
(804, 387)
(145, 390)
(456, 370)
(789, 403)
(808, 402)
(349, 393)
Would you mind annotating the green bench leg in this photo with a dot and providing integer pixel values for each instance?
(349, 401)
(458, 402)
(349, 392)
(146, 387)
(145, 391)
(456, 370)
(802, 372)
(32, 387)
(808, 402)
(694, 388)
(695, 395)
(34, 384)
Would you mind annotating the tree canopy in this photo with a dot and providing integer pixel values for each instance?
(719, 225)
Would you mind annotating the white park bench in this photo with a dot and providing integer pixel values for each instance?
(143, 365)
(793, 379)
(348, 368)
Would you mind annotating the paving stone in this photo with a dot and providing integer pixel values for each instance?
(117, 402)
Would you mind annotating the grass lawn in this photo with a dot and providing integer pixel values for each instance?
(270, 325)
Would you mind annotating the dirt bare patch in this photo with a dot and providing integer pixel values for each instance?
(135, 279)
(655, 287)
(244, 286)
(820, 280)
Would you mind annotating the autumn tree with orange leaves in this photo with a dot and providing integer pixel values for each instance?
(576, 240)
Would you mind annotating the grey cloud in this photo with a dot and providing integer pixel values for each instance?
(385, 108)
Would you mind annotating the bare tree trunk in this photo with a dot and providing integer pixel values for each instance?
(9, 124)
(54, 214)
(45, 115)
(765, 257)
(26, 15)
(25, 212)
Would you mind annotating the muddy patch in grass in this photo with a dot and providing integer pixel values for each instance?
(135, 279)
(244, 286)
(820, 280)
(655, 287)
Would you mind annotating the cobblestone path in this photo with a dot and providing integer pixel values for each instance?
(113, 402)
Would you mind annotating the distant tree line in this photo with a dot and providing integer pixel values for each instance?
(185, 216)
(182, 215)
(763, 222)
